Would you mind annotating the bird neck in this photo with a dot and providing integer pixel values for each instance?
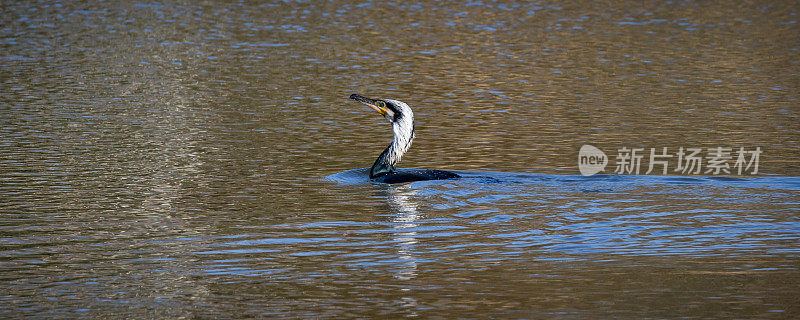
(401, 142)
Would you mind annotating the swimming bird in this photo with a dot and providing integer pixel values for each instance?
(401, 117)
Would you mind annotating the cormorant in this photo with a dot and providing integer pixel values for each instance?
(401, 117)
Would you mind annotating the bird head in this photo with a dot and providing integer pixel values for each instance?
(393, 110)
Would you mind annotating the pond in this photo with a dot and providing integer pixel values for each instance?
(203, 160)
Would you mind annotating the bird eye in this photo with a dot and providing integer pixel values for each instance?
(381, 104)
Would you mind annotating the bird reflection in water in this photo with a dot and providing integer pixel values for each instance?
(403, 202)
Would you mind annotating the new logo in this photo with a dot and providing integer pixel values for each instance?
(591, 160)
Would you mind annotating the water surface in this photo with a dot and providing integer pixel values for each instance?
(177, 160)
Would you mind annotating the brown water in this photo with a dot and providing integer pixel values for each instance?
(162, 160)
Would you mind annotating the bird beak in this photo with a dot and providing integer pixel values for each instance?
(374, 104)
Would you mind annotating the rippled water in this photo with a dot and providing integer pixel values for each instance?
(162, 160)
